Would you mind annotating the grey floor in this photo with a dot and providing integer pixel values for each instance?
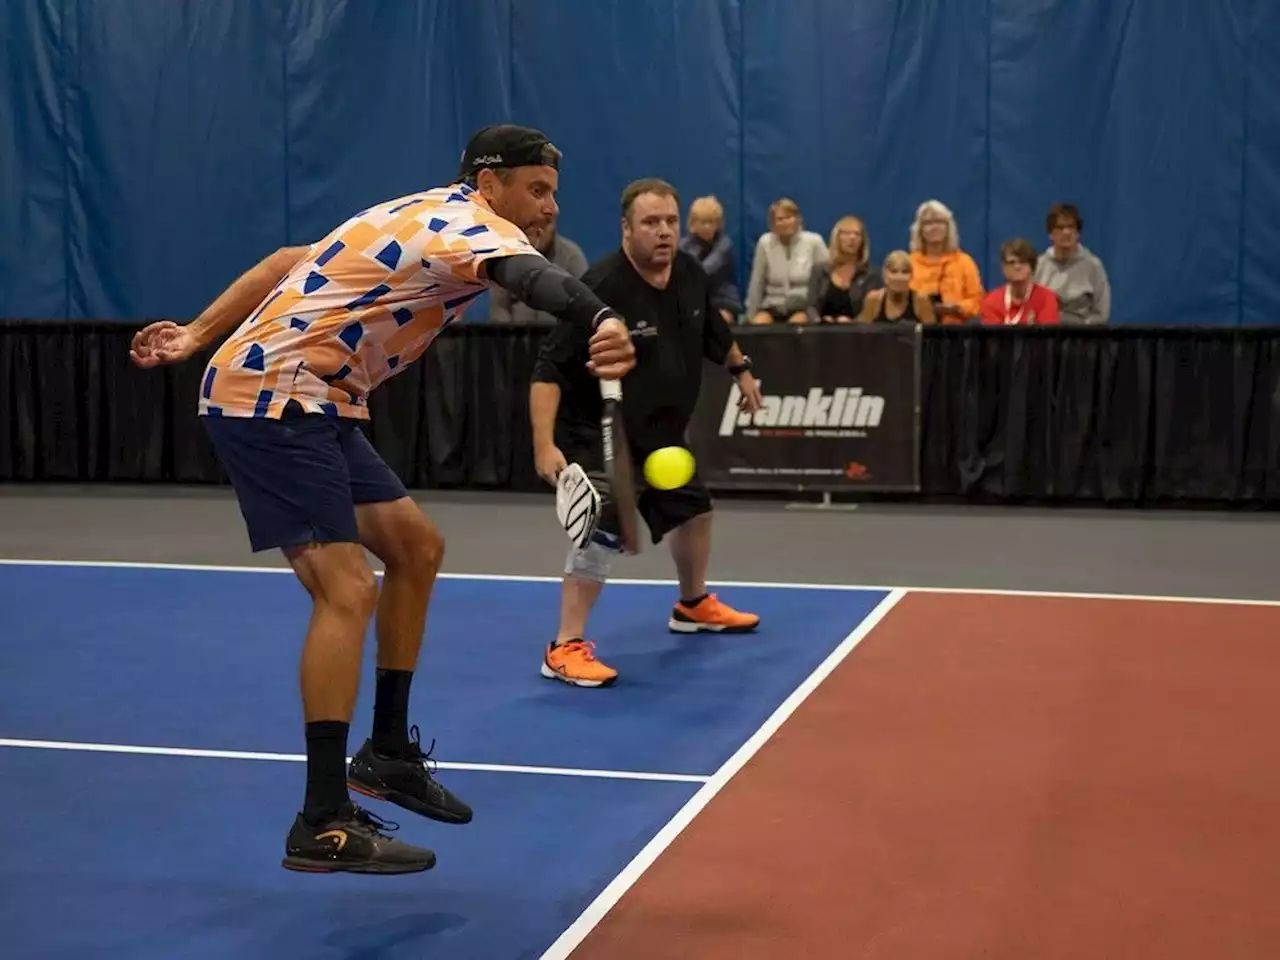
(1209, 554)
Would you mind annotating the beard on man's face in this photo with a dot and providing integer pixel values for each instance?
(543, 238)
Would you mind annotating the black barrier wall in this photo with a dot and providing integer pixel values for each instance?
(1119, 415)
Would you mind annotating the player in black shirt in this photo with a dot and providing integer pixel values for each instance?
(665, 297)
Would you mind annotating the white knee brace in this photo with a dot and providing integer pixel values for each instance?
(591, 562)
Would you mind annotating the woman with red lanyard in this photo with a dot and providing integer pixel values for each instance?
(1020, 301)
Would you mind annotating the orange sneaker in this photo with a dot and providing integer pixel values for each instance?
(711, 615)
(574, 661)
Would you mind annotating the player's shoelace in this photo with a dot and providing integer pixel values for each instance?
(428, 765)
(586, 647)
(374, 824)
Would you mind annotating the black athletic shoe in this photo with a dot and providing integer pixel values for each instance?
(352, 841)
(406, 782)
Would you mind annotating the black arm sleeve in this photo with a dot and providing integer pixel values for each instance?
(542, 285)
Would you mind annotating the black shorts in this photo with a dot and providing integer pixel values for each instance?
(784, 313)
(662, 510)
(298, 479)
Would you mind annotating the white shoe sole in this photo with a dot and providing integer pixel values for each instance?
(685, 626)
(554, 675)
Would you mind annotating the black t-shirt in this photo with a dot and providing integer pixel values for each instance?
(673, 329)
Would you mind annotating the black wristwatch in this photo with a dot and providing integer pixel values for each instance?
(738, 369)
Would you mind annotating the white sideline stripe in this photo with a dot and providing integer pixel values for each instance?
(745, 584)
(568, 941)
(301, 758)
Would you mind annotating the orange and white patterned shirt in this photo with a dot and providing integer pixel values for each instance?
(364, 303)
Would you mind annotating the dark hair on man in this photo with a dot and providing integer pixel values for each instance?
(1063, 211)
(647, 185)
(1019, 249)
(504, 174)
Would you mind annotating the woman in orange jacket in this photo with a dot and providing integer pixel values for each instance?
(940, 269)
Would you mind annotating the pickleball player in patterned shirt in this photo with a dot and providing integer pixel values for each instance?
(313, 330)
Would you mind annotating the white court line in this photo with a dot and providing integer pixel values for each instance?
(301, 758)
(744, 584)
(568, 941)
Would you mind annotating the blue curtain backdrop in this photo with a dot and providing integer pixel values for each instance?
(149, 152)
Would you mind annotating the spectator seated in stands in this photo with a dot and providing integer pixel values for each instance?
(1070, 270)
(838, 287)
(560, 250)
(785, 256)
(1019, 301)
(710, 245)
(896, 301)
(940, 269)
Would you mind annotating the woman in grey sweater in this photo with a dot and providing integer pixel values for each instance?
(1072, 270)
(784, 259)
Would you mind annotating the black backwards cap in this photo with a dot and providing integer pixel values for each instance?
(508, 145)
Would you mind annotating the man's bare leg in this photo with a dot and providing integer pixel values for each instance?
(343, 593)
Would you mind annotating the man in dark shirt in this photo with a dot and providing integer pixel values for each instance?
(666, 298)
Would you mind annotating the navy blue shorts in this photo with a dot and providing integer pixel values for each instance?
(298, 479)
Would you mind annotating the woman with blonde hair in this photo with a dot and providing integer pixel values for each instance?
(707, 243)
(785, 256)
(896, 300)
(940, 269)
(838, 288)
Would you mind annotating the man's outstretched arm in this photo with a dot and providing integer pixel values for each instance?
(235, 303)
(542, 285)
(166, 342)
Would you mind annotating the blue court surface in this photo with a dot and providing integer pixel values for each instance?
(119, 854)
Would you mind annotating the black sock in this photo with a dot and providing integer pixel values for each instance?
(694, 602)
(391, 711)
(326, 770)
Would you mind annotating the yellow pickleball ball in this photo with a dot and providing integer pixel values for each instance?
(668, 468)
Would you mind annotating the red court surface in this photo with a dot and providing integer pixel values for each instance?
(996, 776)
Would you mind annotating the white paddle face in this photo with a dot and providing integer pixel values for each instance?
(577, 504)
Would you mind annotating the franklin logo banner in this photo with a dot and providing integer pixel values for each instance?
(841, 413)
